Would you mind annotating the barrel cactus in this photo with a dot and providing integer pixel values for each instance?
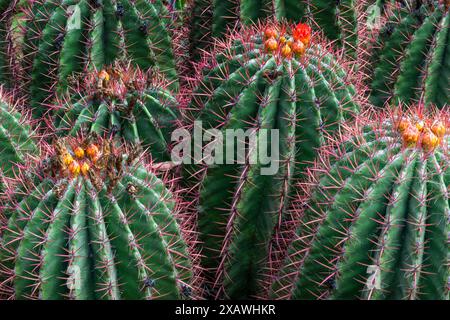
(271, 77)
(376, 222)
(411, 61)
(16, 139)
(211, 18)
(124, 102)
(98, 224)
(61, 38)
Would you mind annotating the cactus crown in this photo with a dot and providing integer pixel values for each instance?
(286, 45)
(423, 133)
(375, 222)
(100, 163)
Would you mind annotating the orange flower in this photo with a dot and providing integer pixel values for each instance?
(103, 75)
(92, 151)
(271, 44)
(302, 32)
(403, 124)
(74, 168)
(429, 141)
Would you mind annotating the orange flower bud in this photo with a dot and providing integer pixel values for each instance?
(429, 141)
(92, 151)
(438, 129)
(271, 44)
(270, 32)
(286, 51)
(75, 168)
(85, 168)
(67, 159)
(298, 48)
(411, 136)
(103, 75)
(79, 152)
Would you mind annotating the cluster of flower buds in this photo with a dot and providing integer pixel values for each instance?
(288, 45)
(424, 133)
(80, 159)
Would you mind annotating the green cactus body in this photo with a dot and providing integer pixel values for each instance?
(107, 233)
(376, 224)
(144, 116)
(66, 37)
(16, 142)
(247, 88)
(212, 18)
(5, 72)
(412, 61)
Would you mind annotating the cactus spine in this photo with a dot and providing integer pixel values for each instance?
(99, 225)
(412, 60)
(257, 81)
(121, 101)
(377, 220)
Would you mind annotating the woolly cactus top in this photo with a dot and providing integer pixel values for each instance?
(95, 224)
(375, 224)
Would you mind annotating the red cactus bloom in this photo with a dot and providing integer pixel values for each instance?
(302, 32)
